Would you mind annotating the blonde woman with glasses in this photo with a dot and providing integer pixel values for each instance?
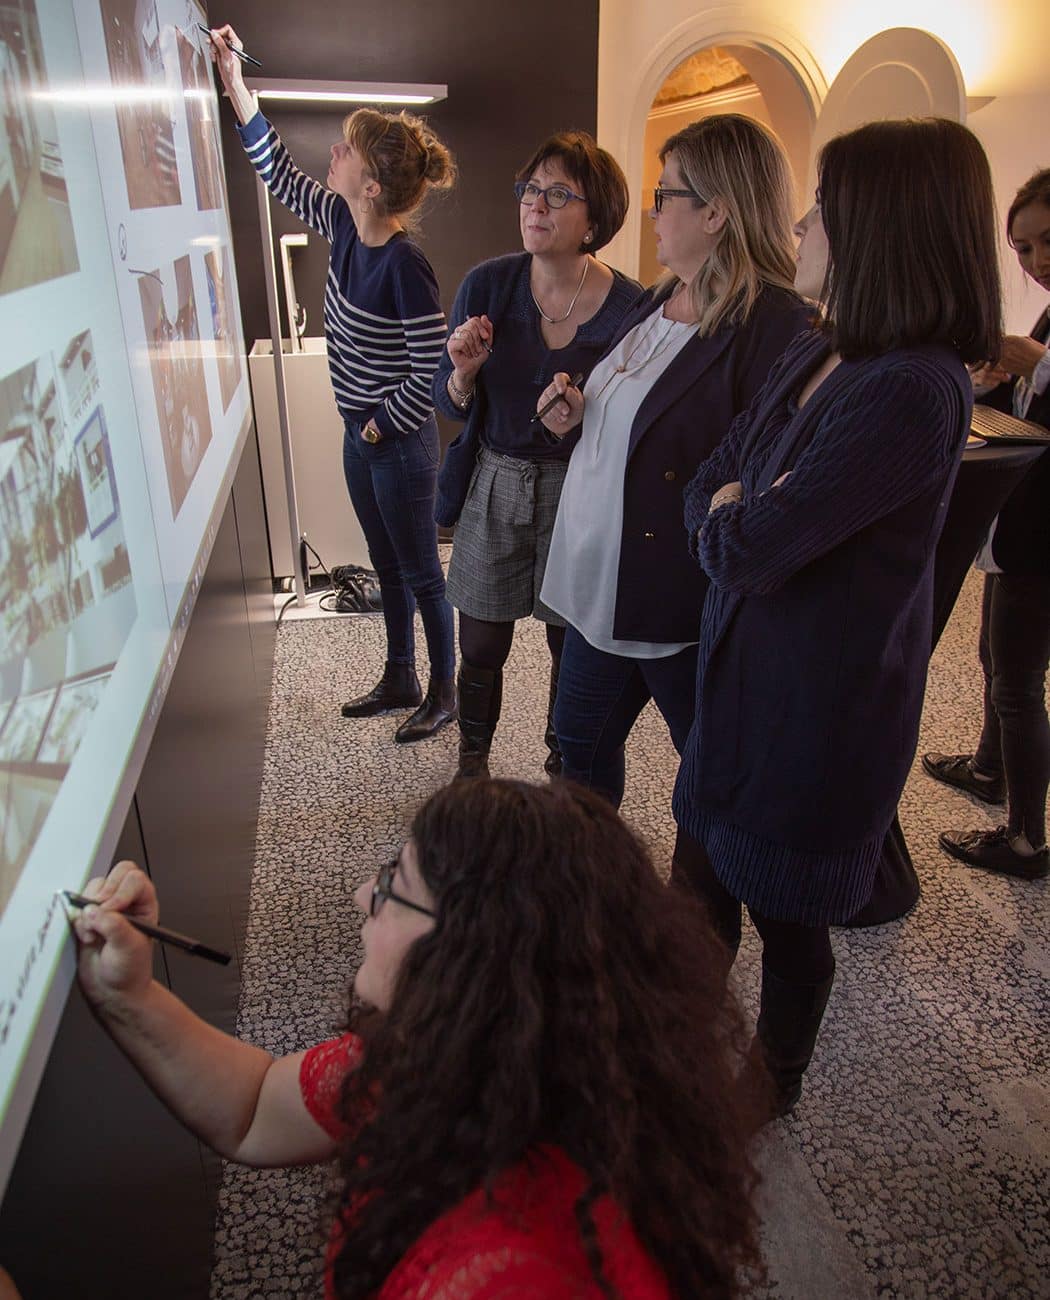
(686, 360)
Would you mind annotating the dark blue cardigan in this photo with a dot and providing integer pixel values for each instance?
(489, 290)
(816, 629)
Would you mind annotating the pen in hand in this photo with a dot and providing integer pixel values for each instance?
(547, 407)
(244, 58)
(158, 932)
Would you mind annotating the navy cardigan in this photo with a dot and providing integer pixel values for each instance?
(488, 290)
(660, 589)
(816, 629)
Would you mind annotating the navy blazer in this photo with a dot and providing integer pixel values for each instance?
(1022, 536)
(660, 588)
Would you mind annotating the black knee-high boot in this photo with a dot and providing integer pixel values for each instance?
(480, 701)
(552, 763)
(789, 1020)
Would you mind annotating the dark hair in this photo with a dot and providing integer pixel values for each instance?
(403, 155)
(1036, 189)
(910, 218)
(593, 170)
(565, 995)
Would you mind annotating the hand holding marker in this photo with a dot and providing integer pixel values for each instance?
(244, 58)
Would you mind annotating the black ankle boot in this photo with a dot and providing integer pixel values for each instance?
(437, 709)
(398, 688)
(552, 763)
(788, 1023)
(480, 700)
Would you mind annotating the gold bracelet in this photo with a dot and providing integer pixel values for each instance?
(461, 398)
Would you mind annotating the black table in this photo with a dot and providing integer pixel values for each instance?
(986, 478)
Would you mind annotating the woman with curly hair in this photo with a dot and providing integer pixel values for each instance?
(539, 1092)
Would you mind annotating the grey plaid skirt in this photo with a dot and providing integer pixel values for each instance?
(499, 550)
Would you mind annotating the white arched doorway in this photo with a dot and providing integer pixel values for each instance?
(790, 80)
(900, 72)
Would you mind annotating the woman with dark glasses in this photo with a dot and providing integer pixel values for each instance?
(686, 359)
(516, 321)
(540, 1096)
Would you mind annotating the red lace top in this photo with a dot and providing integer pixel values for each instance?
(525, 1244)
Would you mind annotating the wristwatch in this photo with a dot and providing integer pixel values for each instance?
(370, 433)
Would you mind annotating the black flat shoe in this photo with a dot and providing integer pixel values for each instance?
(991, 851)
(437, 710)
(957, 770)
(398, 688)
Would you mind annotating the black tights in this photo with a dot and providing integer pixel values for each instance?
(487, 645)
(797, 954)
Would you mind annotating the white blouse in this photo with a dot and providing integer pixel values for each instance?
(584, 559)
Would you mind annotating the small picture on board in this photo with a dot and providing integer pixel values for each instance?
(169, 314)
(67, 603)
(36, 227)
(147, 137)
(223, 318)
(201, 124)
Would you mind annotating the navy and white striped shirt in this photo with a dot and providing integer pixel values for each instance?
(382, 314)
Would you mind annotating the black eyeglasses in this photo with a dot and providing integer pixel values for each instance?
(661, 193)
(382, 890)
(555, 196)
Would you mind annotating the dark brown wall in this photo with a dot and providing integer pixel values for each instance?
(515, 73)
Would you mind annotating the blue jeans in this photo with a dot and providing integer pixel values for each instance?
(600, 696)
(392, 485)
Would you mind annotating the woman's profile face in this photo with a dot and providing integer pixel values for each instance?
(547, 231)
(395, 927)
(812, 254)
(684, 238)
(347, 174)
(1030, 237)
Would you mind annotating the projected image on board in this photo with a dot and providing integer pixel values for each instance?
(225, 328)
(67, 603)
(147, 131)
(124, 407)
(169, 315)
(201, 124)
(36, 228)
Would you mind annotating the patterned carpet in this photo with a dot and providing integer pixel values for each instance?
(916, 1164)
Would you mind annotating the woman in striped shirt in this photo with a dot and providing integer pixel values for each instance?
(385, 332)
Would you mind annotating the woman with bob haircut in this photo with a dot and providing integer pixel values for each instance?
(687, 358)
(384, 330)
(516, 321)
(816, 522)
(539, 1096)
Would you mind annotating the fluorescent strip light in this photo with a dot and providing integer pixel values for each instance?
(347, 92)
(343, 97)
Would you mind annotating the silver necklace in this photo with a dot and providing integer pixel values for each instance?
(643, 340)
(557, 320)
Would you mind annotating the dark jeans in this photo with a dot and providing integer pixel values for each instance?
(1015, 738)
(599, 698)
(392, 485)
(796, 954)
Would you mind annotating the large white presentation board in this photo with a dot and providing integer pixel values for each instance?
(124, 404)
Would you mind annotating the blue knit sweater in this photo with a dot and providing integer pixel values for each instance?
(816, 630)
(522, 365)
(383, 321)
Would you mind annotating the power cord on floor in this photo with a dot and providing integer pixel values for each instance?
(347, 590)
